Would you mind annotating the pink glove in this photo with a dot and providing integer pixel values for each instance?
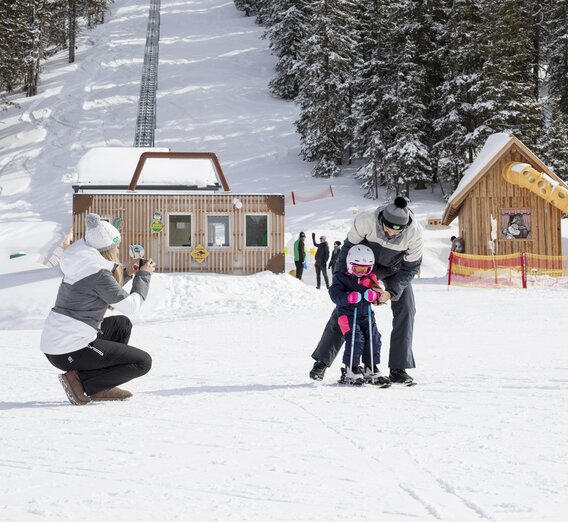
(371, 295)
(369, 281)
(353, 297)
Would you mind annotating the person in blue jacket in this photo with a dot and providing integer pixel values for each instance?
(353, 292)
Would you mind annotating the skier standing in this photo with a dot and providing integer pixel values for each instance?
(395, 237)
(353, 292)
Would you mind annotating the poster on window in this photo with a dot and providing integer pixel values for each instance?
(515, 224)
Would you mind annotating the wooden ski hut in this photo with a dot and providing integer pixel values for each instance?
(177, 208)
(508, 201)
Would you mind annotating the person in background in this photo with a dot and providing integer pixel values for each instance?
(395, 237)
(300, 255)
(93, 351)
(334, 255)
(322, 255)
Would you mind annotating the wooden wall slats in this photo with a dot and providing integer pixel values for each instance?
(137, 210)
(492, 194)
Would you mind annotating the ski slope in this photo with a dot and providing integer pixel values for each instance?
(227, 426)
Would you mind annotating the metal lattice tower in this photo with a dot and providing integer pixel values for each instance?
(146, 118)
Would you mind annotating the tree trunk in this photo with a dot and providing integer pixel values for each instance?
(72, 14)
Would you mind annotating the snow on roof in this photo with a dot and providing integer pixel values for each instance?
(494, 144)
(116, 165)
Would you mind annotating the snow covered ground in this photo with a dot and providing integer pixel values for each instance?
(227, 425)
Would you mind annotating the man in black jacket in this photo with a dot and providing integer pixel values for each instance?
(322, 255)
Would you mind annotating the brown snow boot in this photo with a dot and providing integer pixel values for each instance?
(112, 394)
(73, 388)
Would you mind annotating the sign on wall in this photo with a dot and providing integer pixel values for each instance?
(516, 224)
(157, 223)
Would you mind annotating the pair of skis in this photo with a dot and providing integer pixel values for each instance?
(343, 379)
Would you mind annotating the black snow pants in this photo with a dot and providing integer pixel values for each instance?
(108, 361)
(299, 269)
(321, 269)
(400, 354)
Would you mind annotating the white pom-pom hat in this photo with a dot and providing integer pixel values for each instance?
(100, 234)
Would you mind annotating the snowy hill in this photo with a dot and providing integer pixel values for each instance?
(227, 425)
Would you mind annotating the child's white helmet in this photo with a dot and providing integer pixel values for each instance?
(360, 256)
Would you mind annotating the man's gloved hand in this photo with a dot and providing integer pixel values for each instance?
(353, 297)
(371, 296)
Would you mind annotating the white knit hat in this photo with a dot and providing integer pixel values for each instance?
(100, 234)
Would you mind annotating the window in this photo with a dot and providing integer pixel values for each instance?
(218, 231)
(516, 224)
(256, 230)
(180, 230)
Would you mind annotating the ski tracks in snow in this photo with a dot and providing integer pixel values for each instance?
(444, 502)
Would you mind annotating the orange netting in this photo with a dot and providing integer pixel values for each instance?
(513, 270)
(298, 197)
(546, 270)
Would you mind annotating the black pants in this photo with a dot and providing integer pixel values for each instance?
(321, 269)
(299, 269)
(108, 361)
(400, 354)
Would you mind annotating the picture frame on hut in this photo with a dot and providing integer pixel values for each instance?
(516, 224)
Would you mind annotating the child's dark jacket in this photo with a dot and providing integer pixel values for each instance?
(345, 283)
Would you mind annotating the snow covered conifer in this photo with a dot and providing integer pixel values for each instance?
(287, 34)
(324, 89)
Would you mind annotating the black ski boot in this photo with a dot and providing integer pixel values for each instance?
(376, 378)
(318, 371)
(401, 377)
(353, 376)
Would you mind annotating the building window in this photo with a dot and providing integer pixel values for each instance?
(516, 224)
(179, 230)
(218, 231)
(256, 230)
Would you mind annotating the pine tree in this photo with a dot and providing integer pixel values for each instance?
(507, 100)
(408, 153)
(324, 89)
(457, 124)
(556, 51)
(554, 141)
(288, 34)
(370, 120)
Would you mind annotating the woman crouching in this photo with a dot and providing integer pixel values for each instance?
(93, 351)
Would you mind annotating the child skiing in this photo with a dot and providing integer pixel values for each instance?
(353, 292)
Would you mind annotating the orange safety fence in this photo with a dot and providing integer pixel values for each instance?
(513, 271)
(297, 197)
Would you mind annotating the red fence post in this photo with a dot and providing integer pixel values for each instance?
(524, 269)
(451, 258)
(293, 199)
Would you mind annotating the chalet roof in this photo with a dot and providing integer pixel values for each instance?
(496, 146)
(129, 168)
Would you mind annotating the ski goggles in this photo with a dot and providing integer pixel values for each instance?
(393, 226)
(361, 270)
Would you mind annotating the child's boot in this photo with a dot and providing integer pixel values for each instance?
(375, 377)
(353, 376)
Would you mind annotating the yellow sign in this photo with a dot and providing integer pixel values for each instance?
(199, 253)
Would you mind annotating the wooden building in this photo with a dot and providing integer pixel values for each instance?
(178, 209)
(508, 201)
